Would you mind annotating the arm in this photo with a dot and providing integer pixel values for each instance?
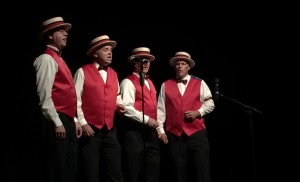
(206, 98)
(128, 95)
(46, 68)
(161, 115)
(207, 104)
(79, 82)
(161, 109)
(120, 105)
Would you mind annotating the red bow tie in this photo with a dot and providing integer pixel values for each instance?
(181, 81)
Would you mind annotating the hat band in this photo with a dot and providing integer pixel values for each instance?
(141, 53)
(53, 25)
(101, 42)
(182, 56)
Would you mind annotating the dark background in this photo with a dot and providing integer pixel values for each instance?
(232, 48)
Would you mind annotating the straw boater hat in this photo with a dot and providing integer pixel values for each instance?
(54, 23)
(99, 42)
(182, 56)
(141, 53)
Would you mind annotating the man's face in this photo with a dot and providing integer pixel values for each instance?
(181, 68)
(58, 38)
(145, 66)
(104, 55)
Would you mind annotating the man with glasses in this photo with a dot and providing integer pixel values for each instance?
(139, 136)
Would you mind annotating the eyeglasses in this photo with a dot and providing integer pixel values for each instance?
(61, 31)
(143, 61)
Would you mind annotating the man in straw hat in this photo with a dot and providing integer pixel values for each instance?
(97, 89)
(140, 138)
(182, 104)
(57, 100)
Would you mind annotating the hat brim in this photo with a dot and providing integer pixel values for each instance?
(175, 59)
(145, 56)
(66, 26)
(93, 49)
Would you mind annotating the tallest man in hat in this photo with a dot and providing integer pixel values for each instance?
(57, 100)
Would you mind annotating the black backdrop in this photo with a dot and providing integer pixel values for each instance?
(231, 50)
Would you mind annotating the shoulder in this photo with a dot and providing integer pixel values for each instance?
(43, 59)
(169, 80)
(87, 65)
(112, 70)
(195, 77)
(79, 71)
(43, 56)
(126, 82)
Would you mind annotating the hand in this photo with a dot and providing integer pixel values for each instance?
(164, 138)
(191, 115)
(78, 130)
(87, 130)
(152, 123)
(60, 132)
(120, 108)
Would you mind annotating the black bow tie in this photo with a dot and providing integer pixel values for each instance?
(102, 68)
(144, 76)
(57, 51)
(181, 81)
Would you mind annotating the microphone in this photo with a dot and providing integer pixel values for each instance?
(141, 78)
(141, 71)
(216, 89)
(143, 61)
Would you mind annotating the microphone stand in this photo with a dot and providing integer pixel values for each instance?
(249, 112)
(142, 85)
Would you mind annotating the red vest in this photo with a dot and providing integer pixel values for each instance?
(99, 100)
(63, 90)
(150, 100)
(176, 105)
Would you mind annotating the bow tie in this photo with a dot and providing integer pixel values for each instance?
(102, 68)
(181, 81)
(146, 76)
(58, 53)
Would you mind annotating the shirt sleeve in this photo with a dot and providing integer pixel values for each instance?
(206, 98)
(119, 97)
(46, 68)
(161, 109)
(79, 81)
(128, 95)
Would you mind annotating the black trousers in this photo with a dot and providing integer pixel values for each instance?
(190, 157)
(141, 151)
(101, 156)
(61, 154)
